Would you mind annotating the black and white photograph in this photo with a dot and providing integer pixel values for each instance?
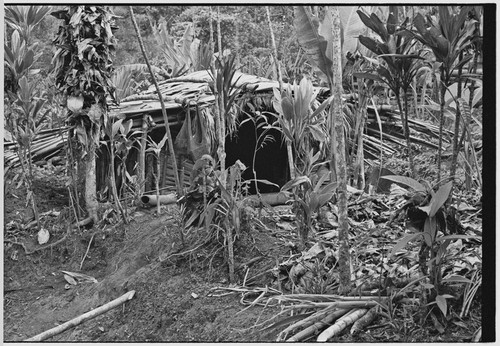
(248, 173)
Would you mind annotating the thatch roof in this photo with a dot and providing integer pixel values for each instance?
(194, 89)
(191, 87)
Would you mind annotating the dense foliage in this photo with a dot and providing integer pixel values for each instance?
(421, 62)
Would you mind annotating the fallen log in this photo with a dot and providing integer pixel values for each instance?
(82, 318)
(272, 199)
(162, 199)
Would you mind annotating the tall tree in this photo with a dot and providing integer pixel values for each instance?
(322, 44)
(338, 142)
(83, 66)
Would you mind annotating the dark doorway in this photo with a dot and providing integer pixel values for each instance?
(270, 162)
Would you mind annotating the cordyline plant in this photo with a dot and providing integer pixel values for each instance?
(310, 194)
(25, 116)
(116, 131)
(396, 49)
(83, 69)
(447, 37)
(298, 122)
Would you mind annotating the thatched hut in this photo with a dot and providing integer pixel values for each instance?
(189, 106)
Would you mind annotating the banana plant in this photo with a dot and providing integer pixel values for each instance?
(396, 49)
(447, 37)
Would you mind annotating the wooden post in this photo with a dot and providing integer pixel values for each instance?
(141, 168)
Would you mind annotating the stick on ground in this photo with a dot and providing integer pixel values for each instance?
(82, 318)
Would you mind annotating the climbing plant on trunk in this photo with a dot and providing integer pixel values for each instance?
(322, 43)
(83, 66)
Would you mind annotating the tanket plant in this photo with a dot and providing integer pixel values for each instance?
(401, 62)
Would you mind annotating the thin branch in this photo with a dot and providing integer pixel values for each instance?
(163, 110)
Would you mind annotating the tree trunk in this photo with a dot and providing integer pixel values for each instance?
(337, 126)
(457, 129)
(441, 120)
(91, 203)
(407, 136)
(274, 50)
(113, 181)
(141, 168)
(237, 43)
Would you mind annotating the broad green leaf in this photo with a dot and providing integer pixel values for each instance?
(304, 97)
(459, 236)
(310, 40)
(321, 180)
(75, 103)
(126, 127)
(318, 134)
(162, 142)
(322, 107)
(441, 303)
(323, 198)
(330, 188)
(288, 109)
(115, 128)
(325, 29)
(296, 182)
(313, 201)
(457, 278)
(352, 27)
(402, 243)
(440, 198)
(410, 182)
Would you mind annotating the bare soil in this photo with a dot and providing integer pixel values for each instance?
(172, 300)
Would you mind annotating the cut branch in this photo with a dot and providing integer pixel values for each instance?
(82, 318)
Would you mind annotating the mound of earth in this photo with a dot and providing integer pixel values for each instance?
(172, 299)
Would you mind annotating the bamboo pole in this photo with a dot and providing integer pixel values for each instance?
(141, 168)
(163, 109)
(82, 318)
